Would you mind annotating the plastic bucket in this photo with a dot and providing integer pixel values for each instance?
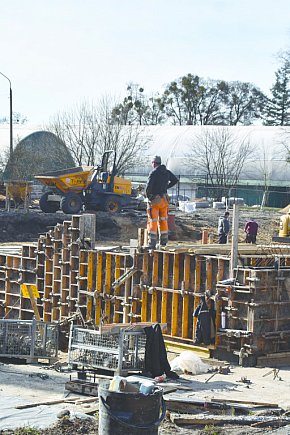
(129, 413)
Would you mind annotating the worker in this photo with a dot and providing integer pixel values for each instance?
(251, 230)
(205, 325)
(159, 180)
(224, 228)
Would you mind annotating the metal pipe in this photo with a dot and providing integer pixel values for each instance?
(11, 114)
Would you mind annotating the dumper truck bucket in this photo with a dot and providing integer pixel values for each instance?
(67, 180)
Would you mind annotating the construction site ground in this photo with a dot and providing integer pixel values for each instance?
(22, 384)
(17, 226)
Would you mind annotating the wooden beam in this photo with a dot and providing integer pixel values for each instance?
(48, 402)
(205, 419)
(235, 239)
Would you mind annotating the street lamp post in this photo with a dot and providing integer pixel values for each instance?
(10, 121)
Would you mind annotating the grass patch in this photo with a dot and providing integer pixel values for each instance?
(26, 431)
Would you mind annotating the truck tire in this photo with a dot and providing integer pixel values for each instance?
(112, 205)
(48, 206)
(71, 203)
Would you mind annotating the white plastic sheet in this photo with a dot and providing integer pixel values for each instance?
(189, 362)
(38, 417)
(187, 206)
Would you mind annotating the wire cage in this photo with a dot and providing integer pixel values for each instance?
(29, 339)
(121, 351)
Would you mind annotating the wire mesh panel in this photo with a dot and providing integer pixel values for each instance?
(120, 352)
(28, 338)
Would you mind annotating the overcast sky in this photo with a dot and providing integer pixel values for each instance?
(60, 52)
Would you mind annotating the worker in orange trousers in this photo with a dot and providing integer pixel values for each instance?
(159, 180)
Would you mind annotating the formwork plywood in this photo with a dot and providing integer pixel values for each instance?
(95, 285)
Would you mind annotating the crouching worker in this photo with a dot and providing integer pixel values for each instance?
(159, 180)
(205, 326)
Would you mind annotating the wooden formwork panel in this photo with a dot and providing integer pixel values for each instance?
(163, 287)
(159, 287)
(114, 286)
(258, 310)
(53, 265)
(14, 271)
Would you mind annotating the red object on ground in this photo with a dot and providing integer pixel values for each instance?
(171, 227)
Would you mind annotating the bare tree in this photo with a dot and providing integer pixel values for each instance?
(17, 118)
(4, 157)
(88, 131)
(77, 129)
(219, 155)
(285, 142)
(263, 171)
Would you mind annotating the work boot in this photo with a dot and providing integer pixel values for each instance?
(163, 239)
(147, 249)
(152, 240)
(150, 247)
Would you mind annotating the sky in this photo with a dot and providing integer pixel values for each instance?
(58, 53)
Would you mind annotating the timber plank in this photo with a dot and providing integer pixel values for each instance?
(206, 419)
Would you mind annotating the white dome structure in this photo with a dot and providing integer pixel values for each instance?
(264, 178)
(175, 143)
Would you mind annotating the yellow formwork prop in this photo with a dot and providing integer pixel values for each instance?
(209, 267)
(108, 282)
(185, 302)
(197, 287)
(154, 284)
(90, 273)
(165, 281)
(174, 314)
(117, 317)
(144, 293)
(99, 281)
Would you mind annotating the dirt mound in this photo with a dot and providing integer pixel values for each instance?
(76, 426)
(18, 226)
(119, 228)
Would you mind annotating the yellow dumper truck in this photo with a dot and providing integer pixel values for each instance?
(85, 187)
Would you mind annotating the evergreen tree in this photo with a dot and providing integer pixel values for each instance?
(243, 103)
(192, 100)
(277, 110)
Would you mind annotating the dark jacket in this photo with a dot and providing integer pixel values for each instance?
(251, 228)
(223, 226)
(205, 326)
(156, 362)
(159, 180)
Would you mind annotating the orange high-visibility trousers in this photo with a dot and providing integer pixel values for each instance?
(157, 213)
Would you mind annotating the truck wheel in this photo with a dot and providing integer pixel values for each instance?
(112, 205)
(46, 205)
(71, 203)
